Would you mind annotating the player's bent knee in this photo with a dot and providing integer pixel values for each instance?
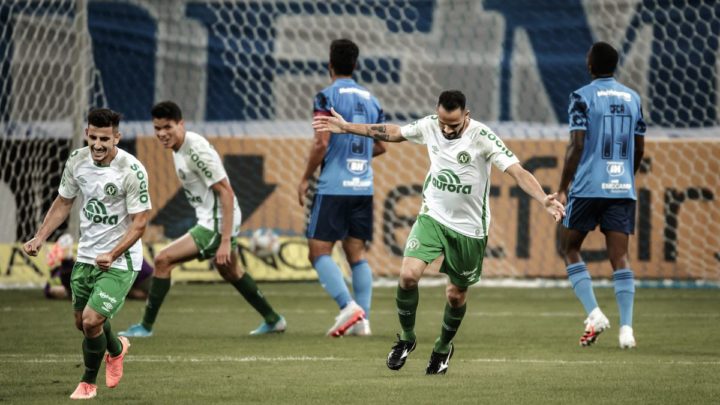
(163, 265)
(230, 274)
(408, 280)
(455, 296)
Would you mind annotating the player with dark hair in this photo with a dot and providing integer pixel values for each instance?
(116, 209)
(342, 208)
(208, 190)
(605, 150)
(454, 218)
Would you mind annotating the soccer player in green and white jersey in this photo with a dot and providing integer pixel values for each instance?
(208, 190)
(455, 215)
(116, 207)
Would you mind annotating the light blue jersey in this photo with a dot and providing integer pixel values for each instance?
(611, 115)
(346, 166)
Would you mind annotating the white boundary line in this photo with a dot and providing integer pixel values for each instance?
(21, 358)
(489, 314)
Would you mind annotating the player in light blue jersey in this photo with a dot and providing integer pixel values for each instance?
(342, 208)
(598, 182)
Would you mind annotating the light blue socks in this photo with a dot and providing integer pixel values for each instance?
(624, 294)
(331, 279)
(582, 285)
(362, 285)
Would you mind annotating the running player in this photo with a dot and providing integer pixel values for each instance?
(116, 208)
(208, 190)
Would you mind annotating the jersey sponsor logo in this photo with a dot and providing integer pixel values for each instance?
(143, 186)
(181, 174)
(614, 186)
(615, 168)
(357, 166)
(492, 137)
(354, 90)
(614, 93)
(463, 158)
(201, 164)
(447, 180)
(356, 182)
(96, 213)
(108, 306)
(110, 190)
(81, 180)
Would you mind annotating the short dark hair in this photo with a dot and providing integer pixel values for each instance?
(451, 100)
(168, 110)
(603, 59)
(103, 118)
(343, 56)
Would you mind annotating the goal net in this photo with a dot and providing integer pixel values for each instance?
(245, 74)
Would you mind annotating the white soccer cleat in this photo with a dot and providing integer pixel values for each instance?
(349, 316)
(362, 328)
(595, 324)
(627, 339)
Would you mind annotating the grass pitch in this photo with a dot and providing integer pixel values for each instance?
(514, 346)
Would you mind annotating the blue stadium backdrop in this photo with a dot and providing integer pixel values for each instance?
(245, 73)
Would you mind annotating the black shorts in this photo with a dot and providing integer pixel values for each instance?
(613, 214)
(335, 217)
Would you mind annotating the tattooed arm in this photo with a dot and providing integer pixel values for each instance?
(336, 124)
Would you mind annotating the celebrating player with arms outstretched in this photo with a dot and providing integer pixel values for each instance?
(455, 215)
(606, 147)
(116, 207)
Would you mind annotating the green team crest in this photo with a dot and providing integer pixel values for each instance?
(463, 158)
(413, 243)
(111, 190)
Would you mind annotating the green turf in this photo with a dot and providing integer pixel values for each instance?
(515, 346)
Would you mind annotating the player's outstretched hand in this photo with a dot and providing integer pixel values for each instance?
(104, 261)
(326, 123)
(32, 247)
(554, 207)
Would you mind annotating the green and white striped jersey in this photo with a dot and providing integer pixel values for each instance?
(457, 187)
(109, 195)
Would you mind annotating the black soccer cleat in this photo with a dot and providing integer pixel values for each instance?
(399, 353)
(439, 362)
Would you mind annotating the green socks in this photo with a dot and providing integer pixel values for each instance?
(248, 289)
(93, 353)
(451, 322)
(407, 302)
(158, 290)
(114, 347)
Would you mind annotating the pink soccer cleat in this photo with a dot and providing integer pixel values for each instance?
(84, 391)
(114, 365)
